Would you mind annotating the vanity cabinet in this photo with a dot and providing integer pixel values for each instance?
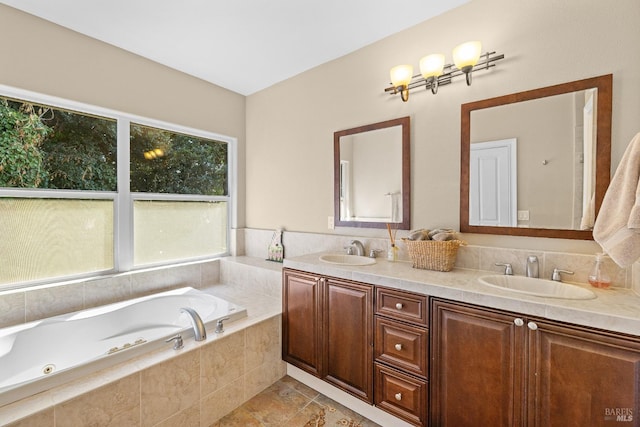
(501, 369)
(401, 354)
(328, 330)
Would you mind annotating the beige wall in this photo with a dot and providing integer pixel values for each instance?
(290, 125)
(39, 56)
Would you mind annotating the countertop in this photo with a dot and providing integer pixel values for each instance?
(614, 309)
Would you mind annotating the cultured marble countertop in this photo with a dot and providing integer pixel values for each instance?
(614, 309)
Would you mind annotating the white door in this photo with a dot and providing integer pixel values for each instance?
(493, 183)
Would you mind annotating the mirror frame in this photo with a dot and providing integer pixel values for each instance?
(406, 174)
(603, 153)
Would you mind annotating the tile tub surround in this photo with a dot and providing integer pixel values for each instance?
(210, 377)
(615, 309)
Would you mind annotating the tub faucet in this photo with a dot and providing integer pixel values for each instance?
(196, 321)
(532, 266)
(359, 247)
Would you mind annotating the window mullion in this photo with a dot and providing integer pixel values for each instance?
(124, 205)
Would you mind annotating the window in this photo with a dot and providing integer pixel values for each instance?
(86, 190)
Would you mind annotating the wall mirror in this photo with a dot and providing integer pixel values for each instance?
(537, 163)
(372, 175)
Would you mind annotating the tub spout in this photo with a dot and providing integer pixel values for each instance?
(196, 321)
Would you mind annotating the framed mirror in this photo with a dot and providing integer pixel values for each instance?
(372, 177)
(537, 163)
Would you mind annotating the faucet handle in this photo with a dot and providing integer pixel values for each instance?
(374, 252)
(555, 276)
(508, 270)
(177, 345)
(220, 325)
(349, 249)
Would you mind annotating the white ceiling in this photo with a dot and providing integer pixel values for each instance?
(241, 45)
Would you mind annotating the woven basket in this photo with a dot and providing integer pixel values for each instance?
(433, 254)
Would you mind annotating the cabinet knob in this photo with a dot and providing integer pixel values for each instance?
(518, 321)
(399, 306)
(533, 326)
(398, 396)
(398, 347)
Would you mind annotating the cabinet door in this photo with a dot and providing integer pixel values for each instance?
(477, 369)
(582, 378)
(349, 337)
(301, 321)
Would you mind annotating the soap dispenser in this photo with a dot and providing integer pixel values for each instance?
(598, 278)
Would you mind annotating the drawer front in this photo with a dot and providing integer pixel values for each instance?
(401, 395)
(402, 346)
(401, 305)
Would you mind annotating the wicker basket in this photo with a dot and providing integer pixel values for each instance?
(433, 254)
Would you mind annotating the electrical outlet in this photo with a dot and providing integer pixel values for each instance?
(330, 224)
(523, 215)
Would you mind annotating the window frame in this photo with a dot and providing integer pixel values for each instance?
(123, 198)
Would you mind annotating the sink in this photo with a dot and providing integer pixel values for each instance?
(343, 259)
(537, 287)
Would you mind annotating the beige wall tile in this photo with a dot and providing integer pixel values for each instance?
(222, 362)
(169, 387)
(219, 403)
(41, 419)
(114, 405)
(55, 300)
(263, 376)
(107, 290)
(263, 343)
(12, 309)
(148, 282)
(209, 273)
(190, 417)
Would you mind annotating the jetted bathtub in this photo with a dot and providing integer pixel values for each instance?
(42, 354)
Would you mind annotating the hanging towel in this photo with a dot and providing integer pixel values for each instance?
(617, 227)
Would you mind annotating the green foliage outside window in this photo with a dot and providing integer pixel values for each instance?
(167, 162)
(41, 147)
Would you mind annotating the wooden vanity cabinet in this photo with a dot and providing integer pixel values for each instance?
(401, 354)
(327, 330)
(496, 368)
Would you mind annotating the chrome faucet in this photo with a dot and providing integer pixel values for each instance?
(359, 247)
(532, 266)
(556, 276)
(198, 325)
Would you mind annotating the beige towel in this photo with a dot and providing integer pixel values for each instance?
(617, 227)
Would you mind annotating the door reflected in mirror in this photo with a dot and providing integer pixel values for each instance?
(371, 173)
(537, 163)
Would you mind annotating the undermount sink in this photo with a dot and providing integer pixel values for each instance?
(343, 259)
(537, 287)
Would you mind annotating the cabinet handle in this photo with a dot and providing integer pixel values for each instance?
(399, 306)
(398, 347)
(398, 396)
(533, 326)
(518, 321)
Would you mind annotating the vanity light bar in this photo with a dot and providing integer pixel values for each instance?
(487, 60)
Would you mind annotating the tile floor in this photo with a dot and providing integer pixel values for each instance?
(289, 403)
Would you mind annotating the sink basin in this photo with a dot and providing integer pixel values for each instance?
(537, 287)
(343, 259)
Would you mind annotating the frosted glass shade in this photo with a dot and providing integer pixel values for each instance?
(467, 54)
(401, 75)
(432, 65)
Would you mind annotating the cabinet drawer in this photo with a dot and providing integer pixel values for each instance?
(402, 346)
(404, 396)
(401, 305)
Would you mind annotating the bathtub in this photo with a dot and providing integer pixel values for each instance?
(43, 354)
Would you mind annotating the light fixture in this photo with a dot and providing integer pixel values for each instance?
(434, 72)
(466, 56)
(401, 76)
(431, 67)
